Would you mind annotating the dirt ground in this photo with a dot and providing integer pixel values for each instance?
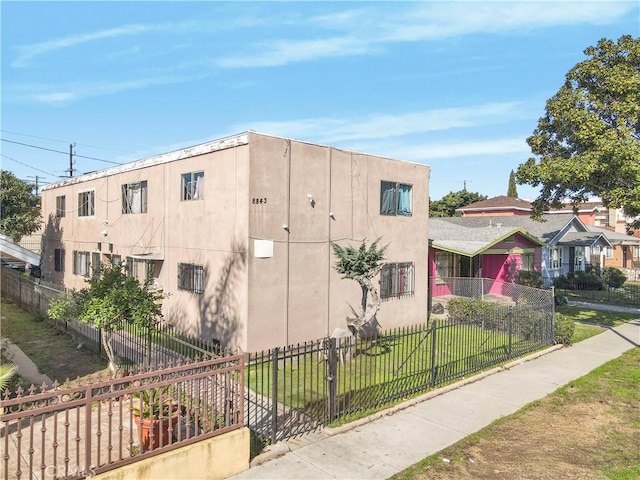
(560, 437)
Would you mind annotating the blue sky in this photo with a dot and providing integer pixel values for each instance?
(455, 85)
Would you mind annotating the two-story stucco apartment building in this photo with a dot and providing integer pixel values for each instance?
(237, 234)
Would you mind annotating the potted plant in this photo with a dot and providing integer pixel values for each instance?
(155, 414)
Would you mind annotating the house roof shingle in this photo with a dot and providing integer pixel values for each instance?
(502, 202)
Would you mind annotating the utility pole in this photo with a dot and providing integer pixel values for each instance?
(37, 184)
(70, 160)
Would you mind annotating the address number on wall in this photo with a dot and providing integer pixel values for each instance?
(259, 201)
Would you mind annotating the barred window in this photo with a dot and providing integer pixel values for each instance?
(396, 280)
(193, 186)
(61, 206)
(86, 203)
(81, 263)
(191, 277)
(395, 199)
(58, 260)
(134, 197)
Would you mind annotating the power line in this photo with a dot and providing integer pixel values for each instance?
(61, 141)
(58, 151)
(22, 163)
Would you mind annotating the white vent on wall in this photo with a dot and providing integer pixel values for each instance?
(263, 248)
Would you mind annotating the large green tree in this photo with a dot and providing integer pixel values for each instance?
(588, 142)
(446, 207)
(111, 300)
(361, 264)
(19, 207)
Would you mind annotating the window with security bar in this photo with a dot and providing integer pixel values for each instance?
(191, 277)
(396, 280)
(134, 197)
(86, 203)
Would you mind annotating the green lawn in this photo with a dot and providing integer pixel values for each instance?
(628, 295)
(378, 374)
(589, 428)
(595, 316)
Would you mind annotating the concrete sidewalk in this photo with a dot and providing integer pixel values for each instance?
(403, 436)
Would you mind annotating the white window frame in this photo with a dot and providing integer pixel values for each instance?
(555, 258)
(140, 206)
(392, 201)
(81, 263)
(191, 277)
(192, 186)
(87, 203)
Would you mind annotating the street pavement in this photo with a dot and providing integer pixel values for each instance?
(389, 442)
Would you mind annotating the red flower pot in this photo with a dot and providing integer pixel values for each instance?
(160, 429)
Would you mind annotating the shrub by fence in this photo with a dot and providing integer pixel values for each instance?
(132, 346)
(75, 431)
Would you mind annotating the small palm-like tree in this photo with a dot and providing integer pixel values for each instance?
(7, 371)
(361, 264)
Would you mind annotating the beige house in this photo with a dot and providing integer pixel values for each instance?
(237, 234)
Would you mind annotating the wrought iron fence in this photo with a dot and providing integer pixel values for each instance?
(298, 388)
(75, 431)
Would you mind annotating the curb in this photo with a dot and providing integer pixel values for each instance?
(281, 448)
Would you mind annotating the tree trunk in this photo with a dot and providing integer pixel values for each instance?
(108, 348)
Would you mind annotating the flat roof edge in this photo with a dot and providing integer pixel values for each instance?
(201, 149)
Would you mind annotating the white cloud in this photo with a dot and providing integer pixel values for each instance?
(60, 95)
(26, 53)
(340, 130)
(427, 152)
(368, 30)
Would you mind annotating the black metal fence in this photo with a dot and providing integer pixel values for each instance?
(298, 388)
(131, 345)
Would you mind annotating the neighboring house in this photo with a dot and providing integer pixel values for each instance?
(567, 243)
(458, 248)
(625, 251)
(237, 235)
(496, 206)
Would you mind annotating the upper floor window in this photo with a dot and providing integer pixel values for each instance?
(396, 280)
(81, 263)
(61, 205)
(191, 277)
(193, 186)
(134, 197)
(395, 199)
(86, 203)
